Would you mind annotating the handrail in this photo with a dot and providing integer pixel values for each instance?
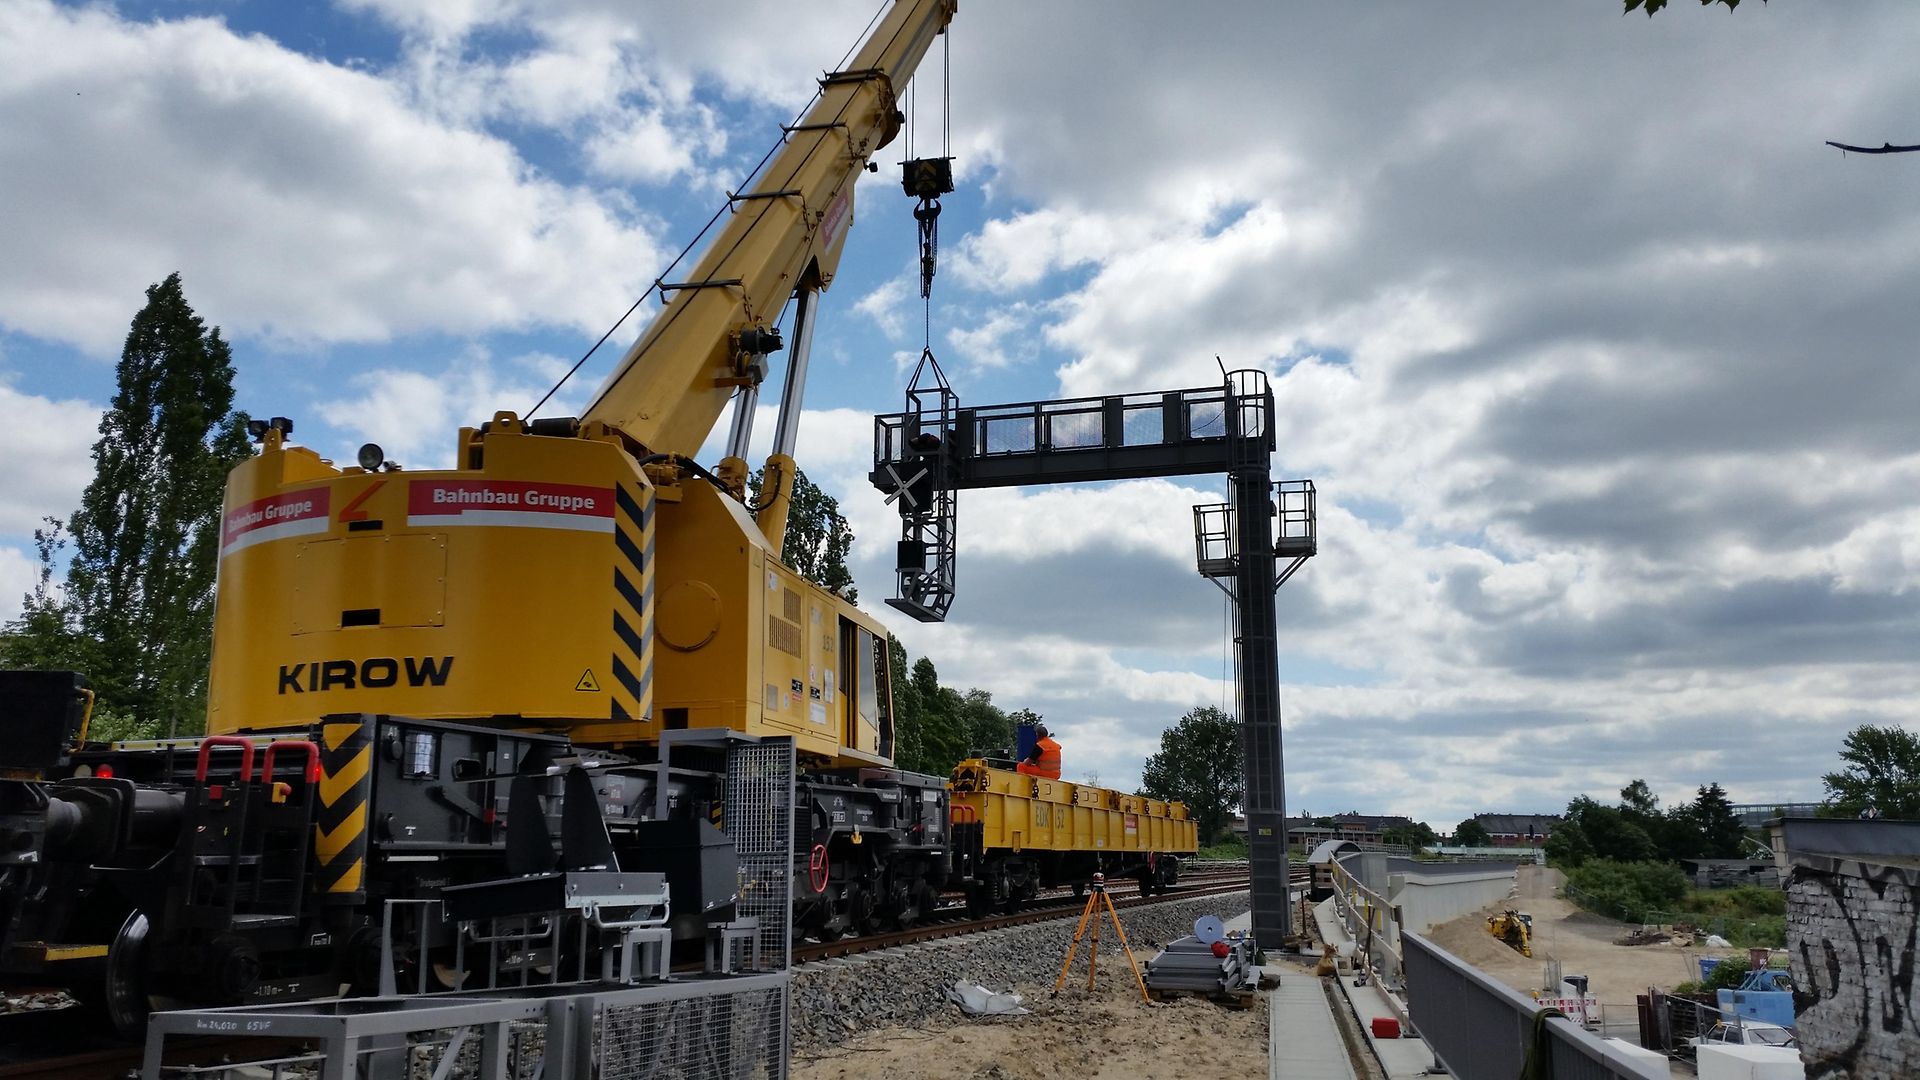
(313, 758)
(1378, 918)
(206, 750)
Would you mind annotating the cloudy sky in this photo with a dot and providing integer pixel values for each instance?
(1602, 362)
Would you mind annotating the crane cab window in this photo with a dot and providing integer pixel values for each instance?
(865, 690)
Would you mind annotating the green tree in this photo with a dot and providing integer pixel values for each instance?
(137, 611)
(1470, 833)
(1610, 833)
(930, 732)
(1416, 836)
(988, 728)
(909, 745)
(1674, 832)
(1200, 764)
(43, 636)
(1638, 801)
(1721, 834)
(1568, 846)
(1880, 773)
(818, 536)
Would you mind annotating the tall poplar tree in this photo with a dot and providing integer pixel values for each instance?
(146, 538)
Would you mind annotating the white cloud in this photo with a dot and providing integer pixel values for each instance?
(19, 573)
(1003, 339)
(47, 446)
(682, 42)
(414, 415)
(886, 306)
(300, 200)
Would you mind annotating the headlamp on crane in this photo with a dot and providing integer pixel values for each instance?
(371, 457)
(258, 428)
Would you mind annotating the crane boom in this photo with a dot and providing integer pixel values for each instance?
(785, 234)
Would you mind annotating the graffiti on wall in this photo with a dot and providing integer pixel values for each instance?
(1851, 933)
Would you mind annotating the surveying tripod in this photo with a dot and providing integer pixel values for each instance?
(1097, 899)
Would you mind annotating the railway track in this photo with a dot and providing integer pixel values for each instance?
(930, 931)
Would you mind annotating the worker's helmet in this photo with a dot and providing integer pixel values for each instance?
(1040, 730)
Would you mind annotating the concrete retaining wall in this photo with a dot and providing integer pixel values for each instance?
(1426, 900)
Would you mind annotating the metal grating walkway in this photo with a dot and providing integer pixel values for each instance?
(1302, 1039)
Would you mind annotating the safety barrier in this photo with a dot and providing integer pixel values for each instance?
(1478, 1027)
(717, 1029)
(1372, 922)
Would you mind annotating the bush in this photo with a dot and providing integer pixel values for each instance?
(1728, 974)
(1627, 890)
(1231, 846)
(1740, 902)
(1765, 932)
(1747, 915)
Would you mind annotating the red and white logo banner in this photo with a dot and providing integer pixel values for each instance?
(296, 513)
(513, 503)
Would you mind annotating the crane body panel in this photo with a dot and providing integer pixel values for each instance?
(515, 589)
(603, 605)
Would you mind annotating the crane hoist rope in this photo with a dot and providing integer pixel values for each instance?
(927, 179)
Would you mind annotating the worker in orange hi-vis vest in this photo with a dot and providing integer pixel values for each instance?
(1045, 758)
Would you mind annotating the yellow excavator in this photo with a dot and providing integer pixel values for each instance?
(1515, 928)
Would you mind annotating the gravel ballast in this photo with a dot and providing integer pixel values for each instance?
(836, 999)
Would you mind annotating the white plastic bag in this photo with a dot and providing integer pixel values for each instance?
(977, 1000)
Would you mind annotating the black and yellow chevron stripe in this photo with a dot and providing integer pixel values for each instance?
(632, 688)
(340, 824)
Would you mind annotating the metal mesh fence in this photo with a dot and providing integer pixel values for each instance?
(759, 819)
(1078, 428)
(424, 1053)
(737, 1036)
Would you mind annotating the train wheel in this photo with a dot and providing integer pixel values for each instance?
(116, 985)
(1079, 890)
(979, 901)
(862, 910)
(900, 912)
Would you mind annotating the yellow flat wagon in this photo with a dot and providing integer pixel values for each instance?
(1015, 834)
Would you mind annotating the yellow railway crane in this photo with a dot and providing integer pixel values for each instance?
(584, 573)
(414, 655)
